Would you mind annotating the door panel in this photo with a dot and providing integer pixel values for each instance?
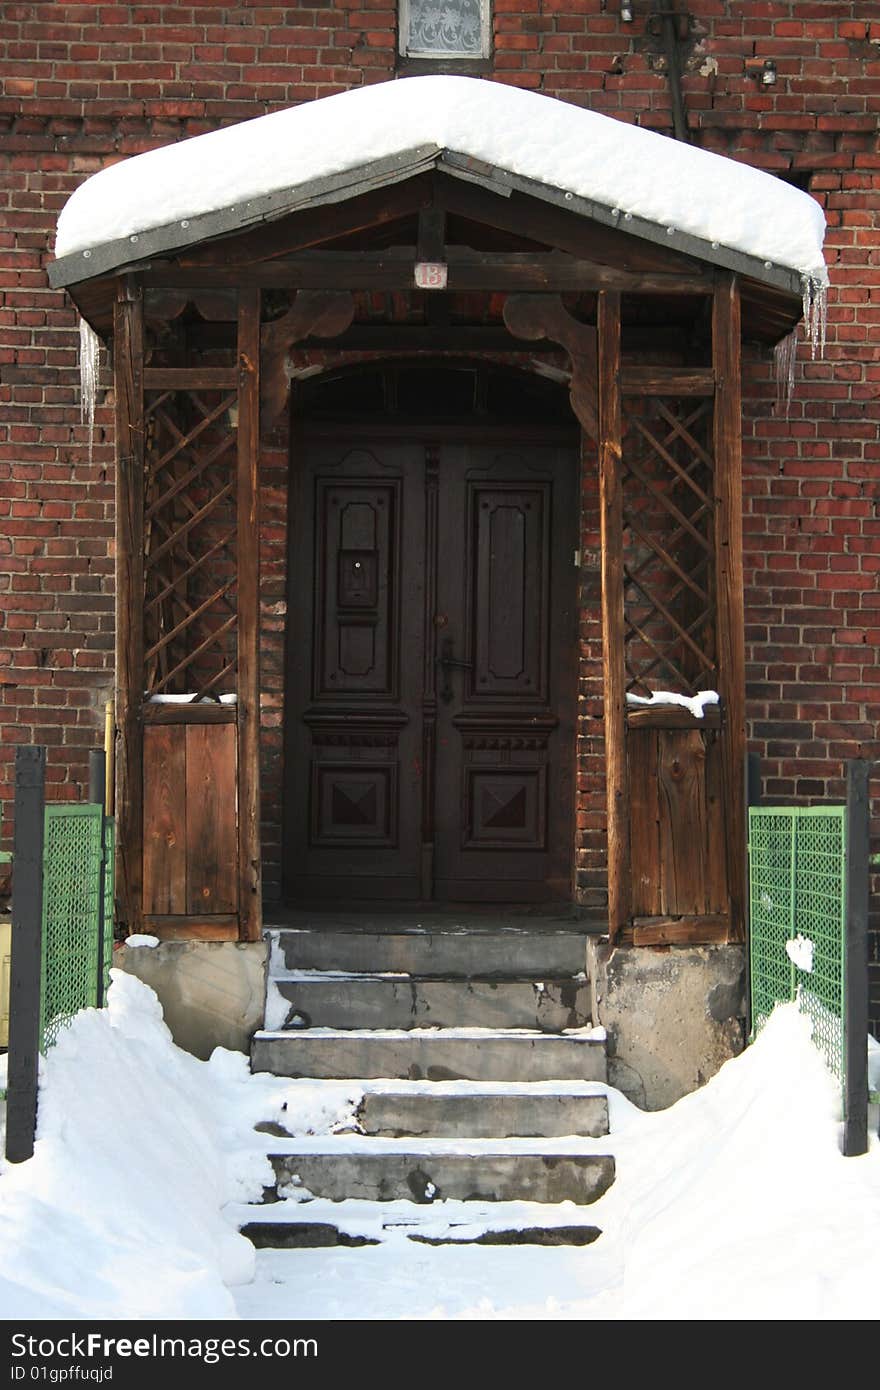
(431, 677)
(353, 786)
(505, 729)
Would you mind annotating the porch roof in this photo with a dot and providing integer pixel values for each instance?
(685, 199)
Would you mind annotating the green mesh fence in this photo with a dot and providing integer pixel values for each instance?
(74, 872)
(109, 890)
(797, 898)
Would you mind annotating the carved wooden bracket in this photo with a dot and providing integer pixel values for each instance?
(534, 316)
(326, 313)
(214, 305)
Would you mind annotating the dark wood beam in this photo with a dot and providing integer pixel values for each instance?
(415, 338)
(730, 616)
(555, 226)
(315, 225)
(248, 576)
(613, 668)
(128, 367)
(393, 269)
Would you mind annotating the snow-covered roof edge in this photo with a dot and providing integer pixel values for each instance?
(645, 184)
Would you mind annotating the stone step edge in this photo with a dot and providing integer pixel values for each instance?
(589, 1037)
(348, 1144)
(329, 977)
(358, 1221)
(323, 1235)
(401, 1086)
(576, 929)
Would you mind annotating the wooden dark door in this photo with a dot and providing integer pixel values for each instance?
(432, 672)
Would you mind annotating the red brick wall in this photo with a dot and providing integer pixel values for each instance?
(86, 84)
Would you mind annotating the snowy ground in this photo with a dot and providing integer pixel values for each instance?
(735, 1203)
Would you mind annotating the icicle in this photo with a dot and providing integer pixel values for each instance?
(784, 358)
(815, 293)
(89, 348)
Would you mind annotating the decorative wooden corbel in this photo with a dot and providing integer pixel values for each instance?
(325, 313)
(534, 316)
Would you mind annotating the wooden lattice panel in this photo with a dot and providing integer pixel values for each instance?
(190, 560)
(668, 543)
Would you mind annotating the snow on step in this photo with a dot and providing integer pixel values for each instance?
(319, 1222)
(433, 1054)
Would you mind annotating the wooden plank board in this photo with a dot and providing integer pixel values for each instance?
(613, 670)
(682, 791)
(211, 833)
(189, 714)
(680, 931)
(189, 378)
(219, 928)
(671, 717)
(668, 381)
(128, 365)
(470, 271)
(717, 887)
(247, 853)
(165, 844)
(644, 821)
(730, 617)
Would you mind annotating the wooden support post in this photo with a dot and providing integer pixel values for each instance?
(613, 669)
(248, 708)
(729, 610)
(855, 1118)
(128, 365)
(27, 953)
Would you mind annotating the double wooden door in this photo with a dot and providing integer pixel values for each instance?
(431, 688)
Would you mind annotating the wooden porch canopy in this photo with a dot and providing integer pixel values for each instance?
(203, 316)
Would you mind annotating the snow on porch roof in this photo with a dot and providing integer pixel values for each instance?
(330, 149)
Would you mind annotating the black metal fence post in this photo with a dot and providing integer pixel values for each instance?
(26, 964)
(855, 1128)
(97, 796)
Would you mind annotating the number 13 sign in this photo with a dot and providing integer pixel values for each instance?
(431, 275)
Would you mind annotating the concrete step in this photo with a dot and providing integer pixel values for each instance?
(427, 1171)
(433, 1054)
(503, 953)
(337, 1000)
(485, 1115)
(302, 1225)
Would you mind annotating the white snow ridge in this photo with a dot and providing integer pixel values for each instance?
(632, 172)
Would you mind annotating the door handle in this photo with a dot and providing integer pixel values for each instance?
(447, 662)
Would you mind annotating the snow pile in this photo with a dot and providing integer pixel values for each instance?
(633, 172)
(737, 1202)
(139, 1146)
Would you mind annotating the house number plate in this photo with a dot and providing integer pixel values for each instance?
(431, 275)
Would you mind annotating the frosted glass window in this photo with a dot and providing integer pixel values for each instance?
(444, 28)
